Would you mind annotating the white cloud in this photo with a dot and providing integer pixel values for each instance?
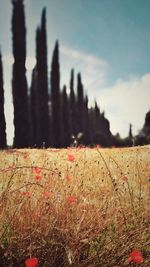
(9, 111)
(30, 62)
(126, 102)
(8, 59)
(93, 69)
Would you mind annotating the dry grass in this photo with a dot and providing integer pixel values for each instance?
(74, 207)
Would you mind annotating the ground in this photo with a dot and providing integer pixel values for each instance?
(75, 207)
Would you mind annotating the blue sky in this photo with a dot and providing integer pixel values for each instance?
(108, 41)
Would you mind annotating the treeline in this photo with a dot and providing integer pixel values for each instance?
(143, 137)
(49, 117)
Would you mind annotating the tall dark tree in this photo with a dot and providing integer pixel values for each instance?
(96, 118)
(65, 118)
(72, 103)
(34, 107)
(146, 126)
(80, 104)
(130, 131)
(42, 84)
(55, 98)
(104, 124)
(143, 138)
(2, 116)
(102, 134)
(91, 124)
(22, 136)
(86, 122)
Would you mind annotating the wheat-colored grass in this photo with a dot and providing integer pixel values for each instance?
(74, 207)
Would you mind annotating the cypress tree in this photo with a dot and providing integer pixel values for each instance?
(104, 124)
(42, 83)
(34, 107)
(65, 118)
(2, 116)
(96, 118)
(91, 124)
(147, 120)
(72, 103)
(130, 131)
(102, 134)
(50, 121)
(22, 136)
(80, 104)
(55, 98)
(86, 122)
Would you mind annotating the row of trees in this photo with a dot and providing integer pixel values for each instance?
(48, 117)
(42, 116)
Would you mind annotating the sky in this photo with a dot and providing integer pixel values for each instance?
(108, 41)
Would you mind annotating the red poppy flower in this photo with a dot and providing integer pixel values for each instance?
(37, 170)
(48, 194)
(68, 177)
(31, 262)
(26, 193)
(98, 146)
(71, 157)
(26, 155)
(38, 177)
(72, 199)
(136, 256)
(124, 178)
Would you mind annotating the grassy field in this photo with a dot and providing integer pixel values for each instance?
(77, 207)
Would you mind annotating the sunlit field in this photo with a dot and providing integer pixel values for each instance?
(80, 207)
